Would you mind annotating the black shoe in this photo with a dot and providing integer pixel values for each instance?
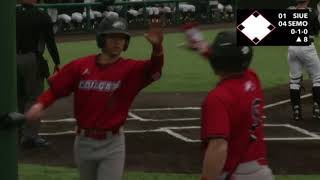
(297, 115)
(34, 142)
(316, 111)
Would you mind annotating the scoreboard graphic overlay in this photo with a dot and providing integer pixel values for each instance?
(273, 27)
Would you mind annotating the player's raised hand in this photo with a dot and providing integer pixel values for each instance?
(155, 32)
(195, 39)
(194, 36)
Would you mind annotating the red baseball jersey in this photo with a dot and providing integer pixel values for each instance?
(234, 111)
(103, 94)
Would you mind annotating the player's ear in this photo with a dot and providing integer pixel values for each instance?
(126, 45)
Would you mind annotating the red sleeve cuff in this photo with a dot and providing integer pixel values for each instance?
(157, 59)
(46, 98)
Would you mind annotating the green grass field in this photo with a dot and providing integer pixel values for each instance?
(185, 70)
(32, 172)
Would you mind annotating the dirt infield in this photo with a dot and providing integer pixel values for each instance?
(163, 128)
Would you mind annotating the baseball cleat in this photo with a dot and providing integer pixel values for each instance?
(34, 142)
(297, 115)
(316, 111)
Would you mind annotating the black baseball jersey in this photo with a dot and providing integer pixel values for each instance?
(314, 22)
(34, 31)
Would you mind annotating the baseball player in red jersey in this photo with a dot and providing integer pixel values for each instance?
(232, 125)
(104, 86)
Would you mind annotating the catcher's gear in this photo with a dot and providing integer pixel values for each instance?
(316, 102)
(226, 56)
(295, 103)
(112, 26)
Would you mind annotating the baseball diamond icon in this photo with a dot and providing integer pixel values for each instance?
(256, 27)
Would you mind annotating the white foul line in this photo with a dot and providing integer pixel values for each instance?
(274, 125)
(69, 120)
(179, 136)
(57, 133)
(284, 101)
(136, 117)
(184, 127)
(167, 109)
(198, 108)
(59, 120)
(162, 129)
(169, 131)
(162, 120)
(130, 119)
(183, 138)
(302, 131)
(292, 139)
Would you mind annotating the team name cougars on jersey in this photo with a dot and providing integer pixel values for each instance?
(106, 86)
